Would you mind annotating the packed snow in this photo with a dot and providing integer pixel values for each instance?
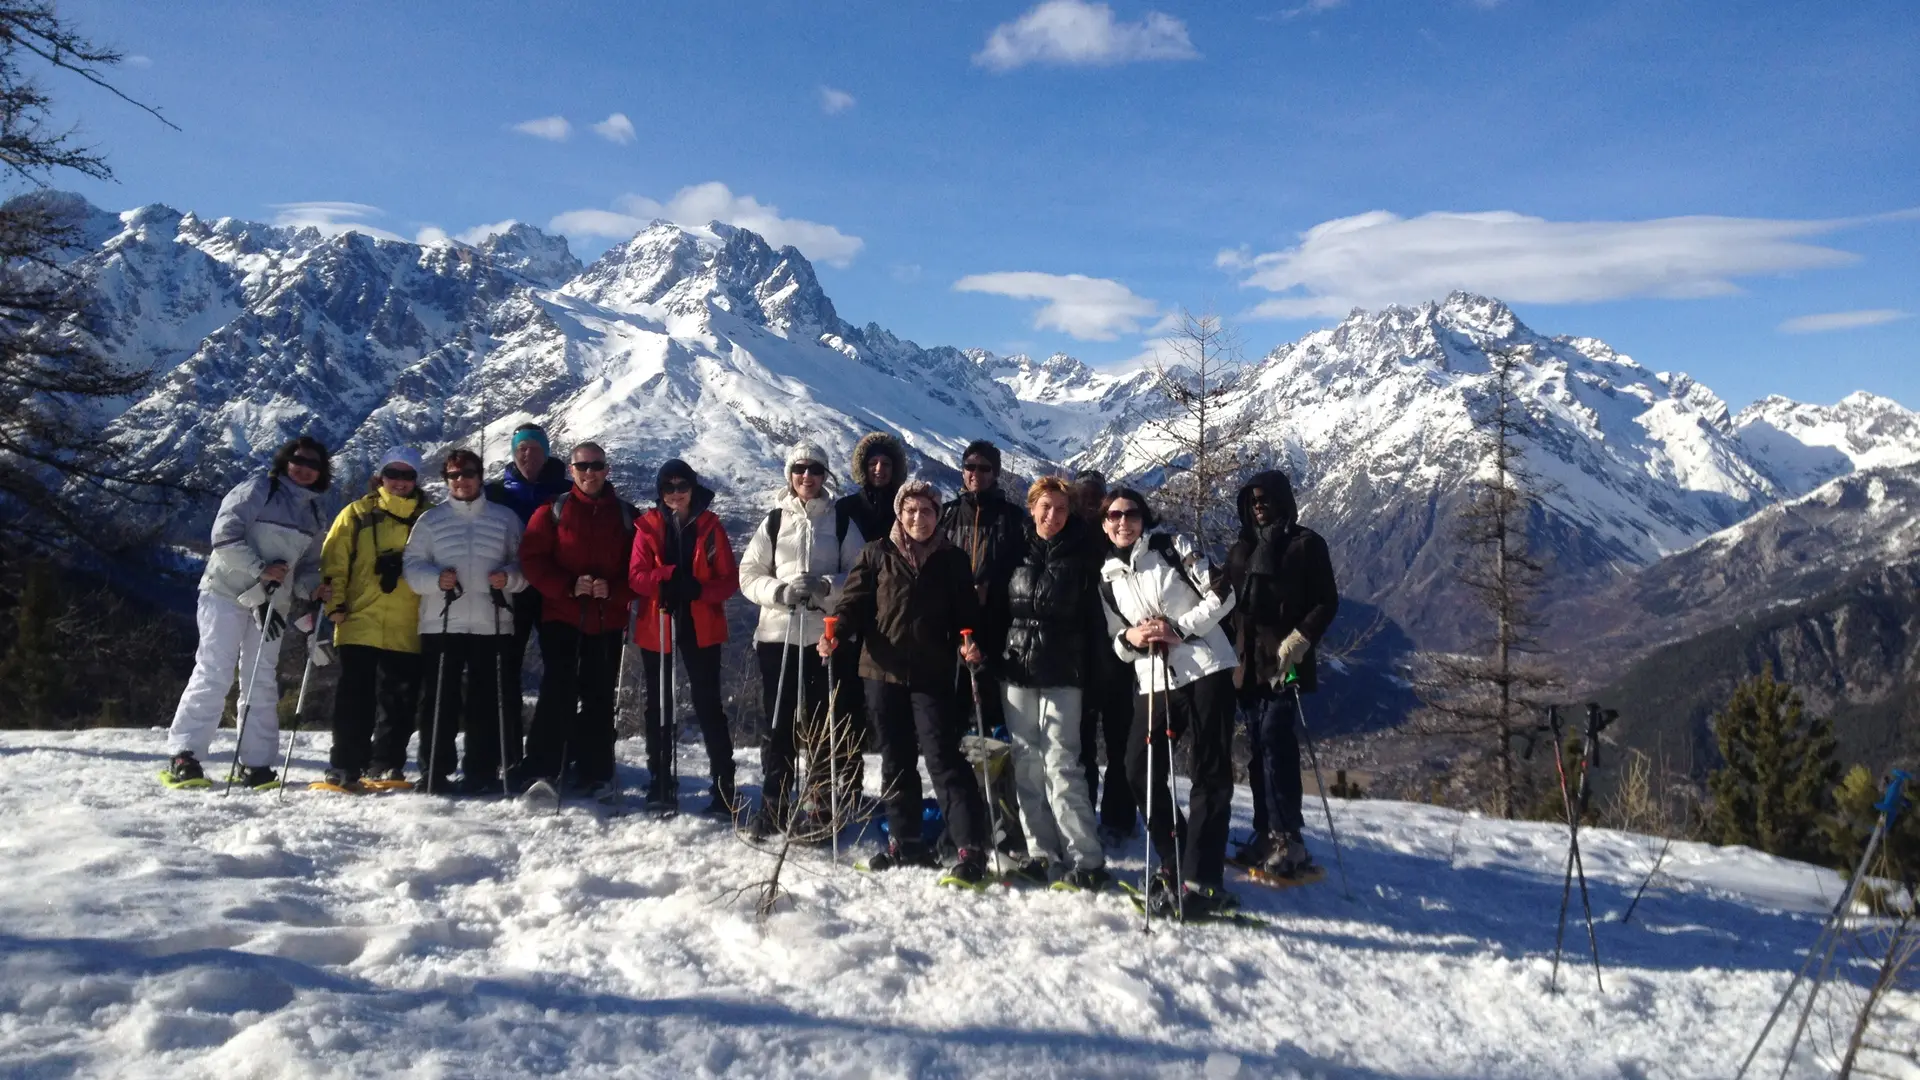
(149, 932)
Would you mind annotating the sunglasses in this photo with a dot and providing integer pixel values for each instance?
(675, 487)
(979, 466)
(460, 474)
(809, 469)
(1122, 515)
(391, 473)
(590, 466)
(307, 463)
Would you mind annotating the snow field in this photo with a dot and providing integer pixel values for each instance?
(148, 932)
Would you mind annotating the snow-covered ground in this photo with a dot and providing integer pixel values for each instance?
(146, 933)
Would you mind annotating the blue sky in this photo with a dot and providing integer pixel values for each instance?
(1726, 189)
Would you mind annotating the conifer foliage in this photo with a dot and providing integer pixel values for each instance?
(1777, 781)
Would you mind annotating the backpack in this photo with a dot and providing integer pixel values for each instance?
(840, 520)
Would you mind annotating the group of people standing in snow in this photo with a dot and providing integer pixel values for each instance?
(886, 618)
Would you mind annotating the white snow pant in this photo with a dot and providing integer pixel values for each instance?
(1051, 782)
(229, 638)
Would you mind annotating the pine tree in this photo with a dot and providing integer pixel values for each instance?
(1779, 772)
(1856, 813)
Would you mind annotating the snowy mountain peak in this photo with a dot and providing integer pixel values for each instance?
(718, 268)
(532, 254)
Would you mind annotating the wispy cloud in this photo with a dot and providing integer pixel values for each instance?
(835, 101)
(616, 128)
(1312, 7)
(555, 128)
(1842, 320)
(136, 60)
(332, 218)
(1086, 308)
(1381, 258)
(479, 233)
(1080, 33)
(712, 201)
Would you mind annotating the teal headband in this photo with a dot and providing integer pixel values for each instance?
(530, 435)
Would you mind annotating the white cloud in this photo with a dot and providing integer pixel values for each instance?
(332, 218)
(905, 273)
(1378, 258)
(1312, 7)
(712, 201)
(616, 128)
(554, 128)
(1080, 33)
(1086, 308)
(1842, 320)
(430, 235)
(835, 101)
(138, 61)
(479, 233)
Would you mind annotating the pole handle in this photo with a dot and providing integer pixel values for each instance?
(833, 622)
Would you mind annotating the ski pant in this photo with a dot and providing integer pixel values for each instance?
(229, 643)
(467, 698)
(911, 722)
(702, 665)
(1274, 771)
(779, 741)
(573, 720)
(1106, 714)
(854, 727)
(373, 708)
(1202, 712)
(1055, 809)
(527, 605)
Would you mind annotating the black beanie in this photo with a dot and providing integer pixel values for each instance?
(674, 469)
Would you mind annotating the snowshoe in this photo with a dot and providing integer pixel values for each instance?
(1288, 857)
(896, 856)
(339, 782)
(969, 873)
(1252, 853)
(257, 777)
(1090, 880)
(1204, 911)
(1027, 872)
(541, 794)
(386, 780)
(183, 771)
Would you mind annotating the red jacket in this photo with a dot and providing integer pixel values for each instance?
(712, 564)
(590, 538)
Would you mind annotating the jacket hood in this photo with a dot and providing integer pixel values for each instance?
(1281, 487)
(878, 442)
(674, 468)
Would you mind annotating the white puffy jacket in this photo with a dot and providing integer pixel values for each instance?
(262, 521)
(1145, 583)
(473, 539)
(805, 546)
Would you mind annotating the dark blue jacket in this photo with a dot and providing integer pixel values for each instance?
(522, 496)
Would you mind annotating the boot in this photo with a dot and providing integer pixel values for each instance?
(722, 803)
(898, 855)
(1289, 857)
(185, 767)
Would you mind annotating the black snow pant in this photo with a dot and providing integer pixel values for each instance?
(1107, 715)
(527, 605)
(856, 728)
(702, 665)
(467, 700)
(1274, 772)
(373, 708)
(1202, 713)
(778, 742)
(573, 721)
(911, 723)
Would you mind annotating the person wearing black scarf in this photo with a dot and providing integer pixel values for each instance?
(1284, 599)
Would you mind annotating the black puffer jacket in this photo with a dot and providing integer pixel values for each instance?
(1294, 590)
(991, 532)
(909, 622)
(1053, 604)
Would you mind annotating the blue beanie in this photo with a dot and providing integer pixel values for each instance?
(529, 433)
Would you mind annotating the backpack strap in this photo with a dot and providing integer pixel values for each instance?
(1163, 543)
(773, 526)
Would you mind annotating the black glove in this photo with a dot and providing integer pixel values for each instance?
(680, 591)
(272, 623)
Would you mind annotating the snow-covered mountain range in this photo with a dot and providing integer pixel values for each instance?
(709, 344)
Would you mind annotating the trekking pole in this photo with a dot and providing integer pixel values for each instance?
(1320, 780)
(1173, 788)
(779, 692)
(1597, 721)
(573, 707)
(440, 686)
(1146, 845)
(246, 695)
(801, 719)
(300, 702)
(1648, 880)
(833, 743)
(1575, 805)
(668, 710)
(500, 682)
(986, 770)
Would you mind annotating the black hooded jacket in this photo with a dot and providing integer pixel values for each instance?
(1291, 588)
(868, 507)
(991, 531)
(1053, 603)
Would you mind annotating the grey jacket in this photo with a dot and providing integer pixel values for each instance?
(262, 521)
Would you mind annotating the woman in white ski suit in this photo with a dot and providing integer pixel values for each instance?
(794, 573)
(1164, 604)
(472, 543)
(265, 555)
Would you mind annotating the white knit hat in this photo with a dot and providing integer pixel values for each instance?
(808, 453)
(402, 455)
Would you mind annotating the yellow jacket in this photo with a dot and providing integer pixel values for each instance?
(371, 526)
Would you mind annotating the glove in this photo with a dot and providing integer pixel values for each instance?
(794, 593)
(1292, 651)
(818, 587)
(680, 591)
(272, 623)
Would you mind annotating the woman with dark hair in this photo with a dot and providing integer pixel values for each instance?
(1164, 604)
(376, 631)
(1054, 606)
(907, 599)
(466, 551)
(265, 555)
